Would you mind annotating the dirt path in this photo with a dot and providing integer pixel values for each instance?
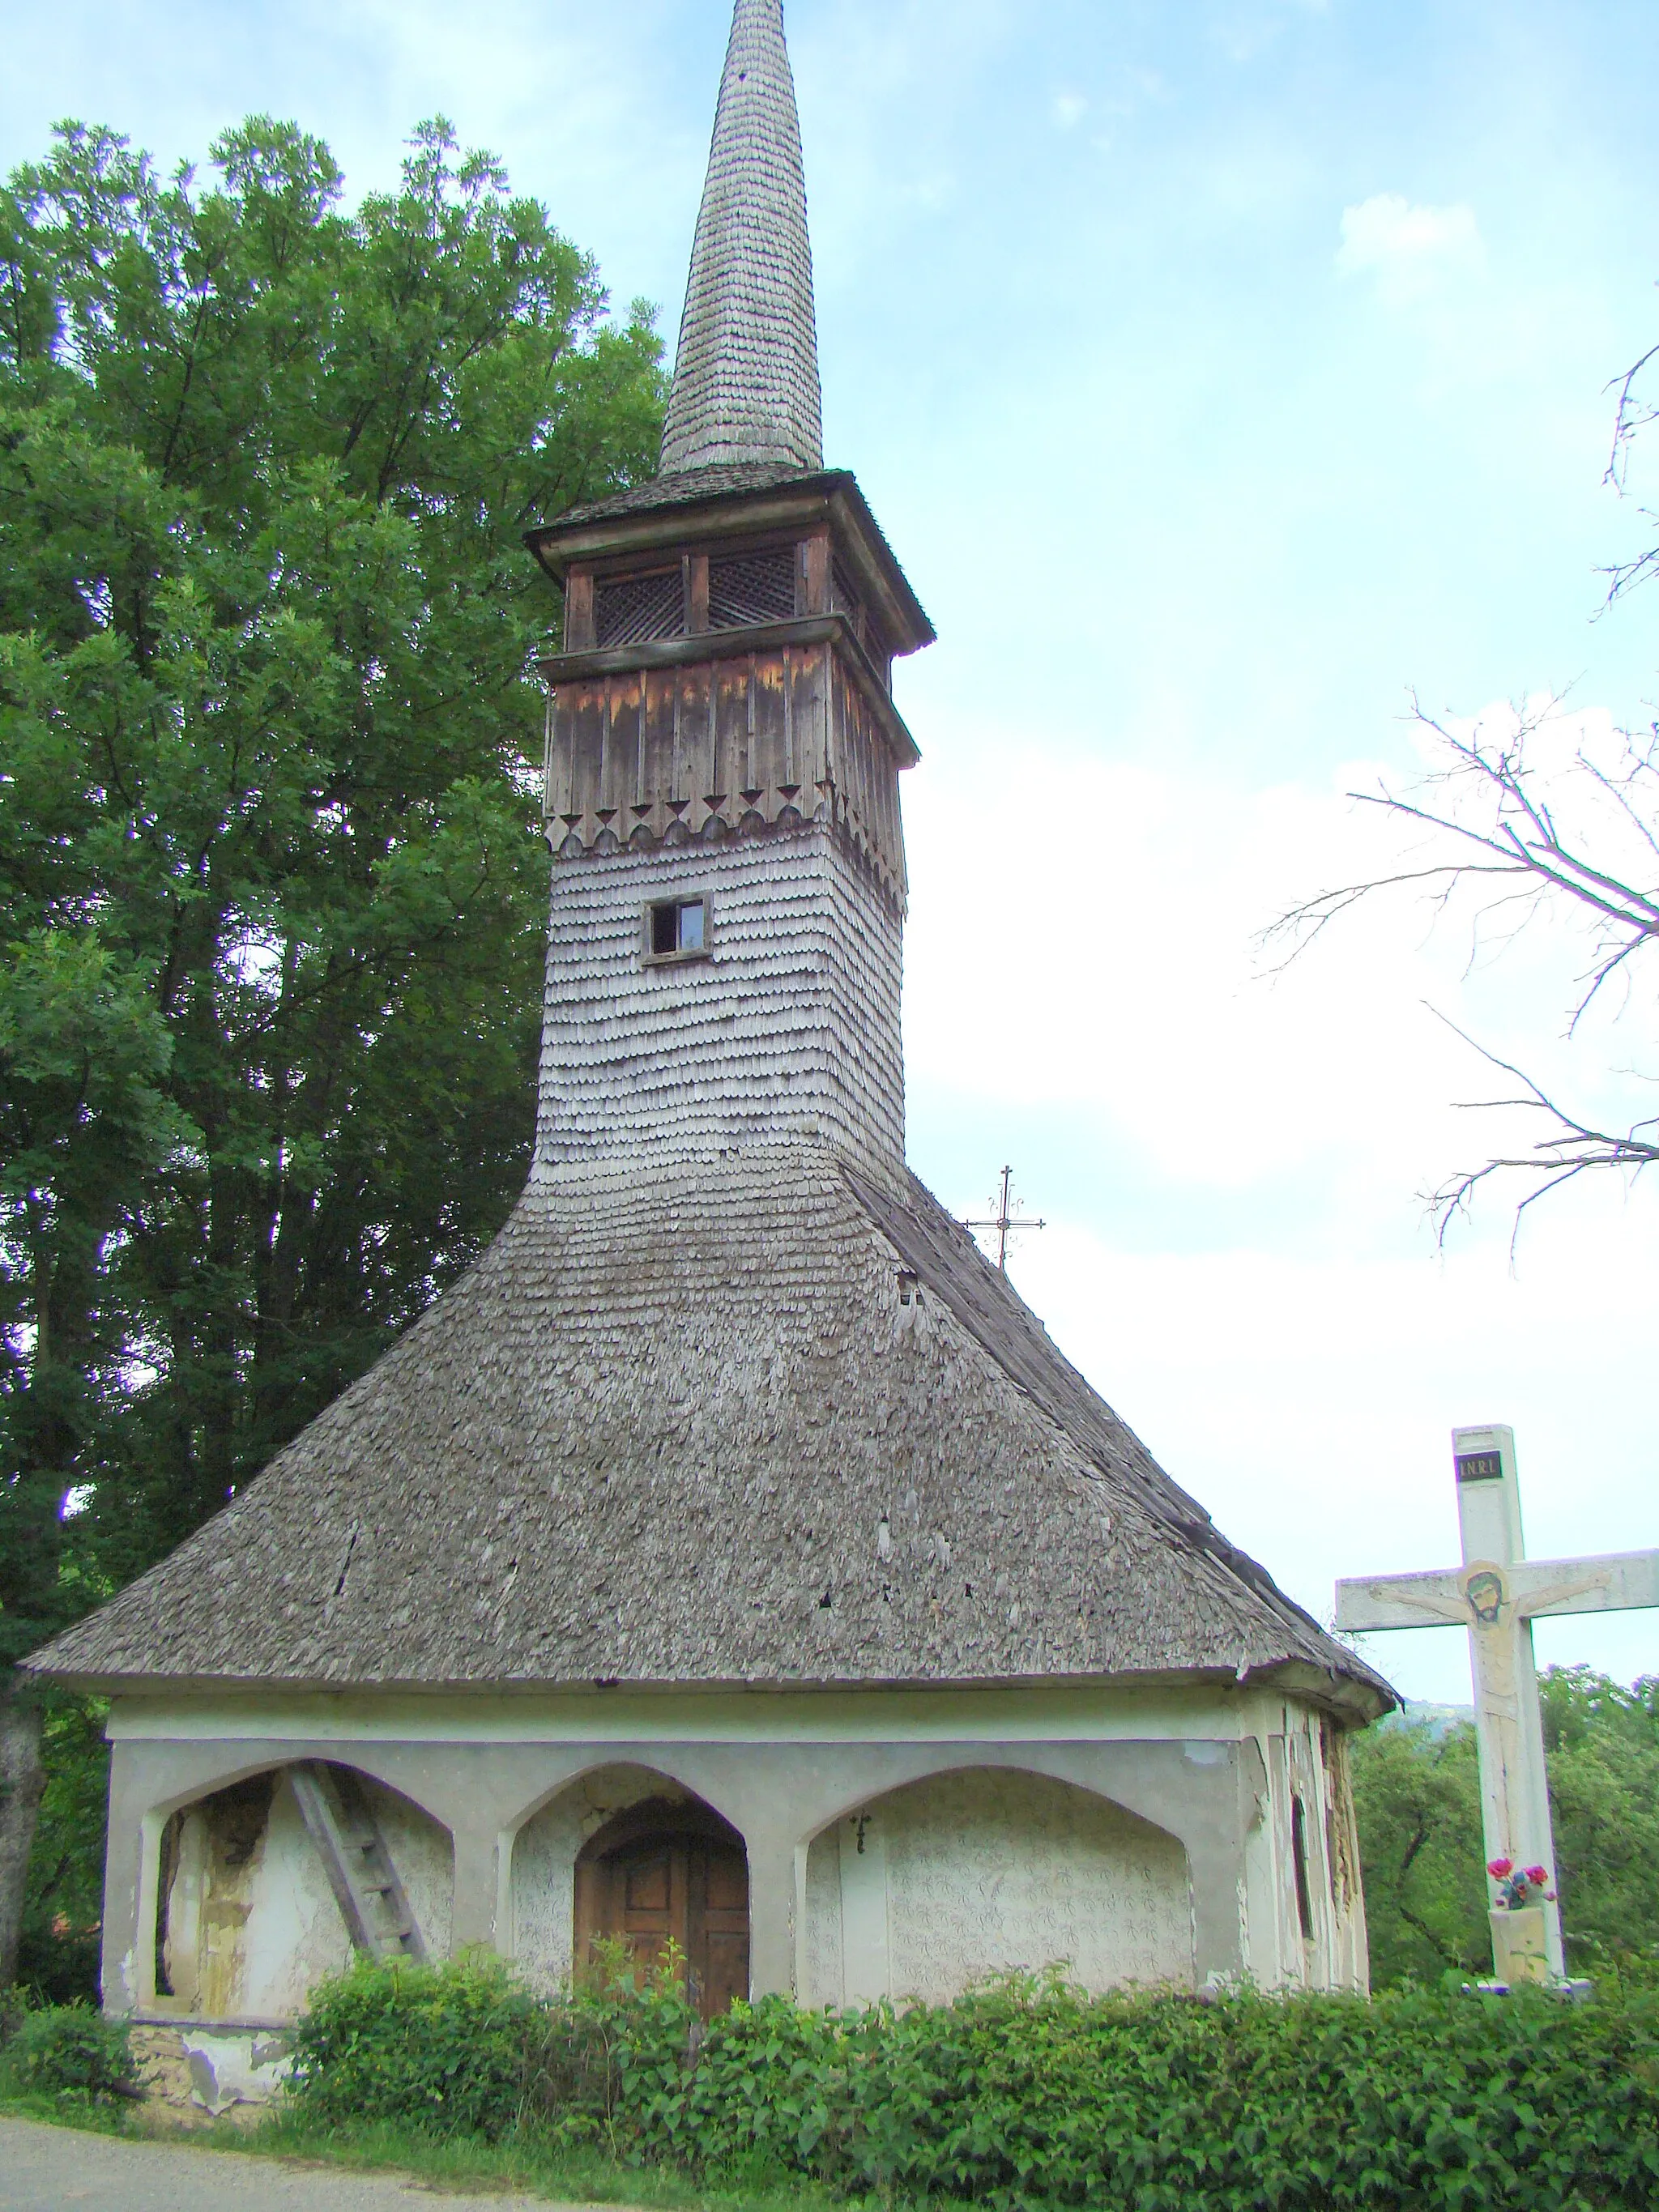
(43, 2169)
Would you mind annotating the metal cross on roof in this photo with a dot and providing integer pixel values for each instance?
(1004, 1220)
(1496, 1595)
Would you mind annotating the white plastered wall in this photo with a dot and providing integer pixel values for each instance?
(1212, 1764)
(937, 1886)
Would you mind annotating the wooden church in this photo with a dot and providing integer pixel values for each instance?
(729, 1556)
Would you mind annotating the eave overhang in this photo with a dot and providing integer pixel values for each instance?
(1352, 1701)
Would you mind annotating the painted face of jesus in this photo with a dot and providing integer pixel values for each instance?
(1485, 1592)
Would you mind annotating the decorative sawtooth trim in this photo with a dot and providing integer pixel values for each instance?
(778, 727)
(739, 814)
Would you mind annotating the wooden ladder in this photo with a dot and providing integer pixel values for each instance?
(371, 1898)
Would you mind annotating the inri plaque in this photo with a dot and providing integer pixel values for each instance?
(1479, 1466)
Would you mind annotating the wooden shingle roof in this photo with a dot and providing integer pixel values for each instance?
(705, 1431)
(714, 480)
(746, 372)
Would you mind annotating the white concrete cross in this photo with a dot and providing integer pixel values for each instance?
(1496, 1595)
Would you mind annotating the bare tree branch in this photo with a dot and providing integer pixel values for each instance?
(1632, 415)
(1629, 416)
(1514, 837)
(1487, 811)
(1573, 1148)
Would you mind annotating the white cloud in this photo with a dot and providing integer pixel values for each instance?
(1118, 973)
(1125, 983)
(1271, 1312)
(1069, 109)
(1409, 251)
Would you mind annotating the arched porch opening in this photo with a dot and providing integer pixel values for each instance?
(626, 1852)
(256, 1902)
(666, 1883)
(929, 1889)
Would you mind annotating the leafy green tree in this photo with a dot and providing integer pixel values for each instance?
(59, 1944)
(1602, 1745)
(1417, 1797)
(270, 891)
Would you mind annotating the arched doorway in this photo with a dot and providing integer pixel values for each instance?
(669, 1872)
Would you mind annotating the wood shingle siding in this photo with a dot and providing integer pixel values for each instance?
(791, 1026)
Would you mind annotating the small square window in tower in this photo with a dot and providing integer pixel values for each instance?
(677, 929)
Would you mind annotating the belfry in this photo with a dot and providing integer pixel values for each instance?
(729, 1556)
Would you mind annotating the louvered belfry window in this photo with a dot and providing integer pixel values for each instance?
(752, 587)
(635, 608)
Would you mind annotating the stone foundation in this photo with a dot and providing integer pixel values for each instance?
(194, 2075)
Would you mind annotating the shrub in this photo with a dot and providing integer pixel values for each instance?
(1027, 2095)
(445, 2048)
(464, 2048)
(69, 2050)
(616, 2055)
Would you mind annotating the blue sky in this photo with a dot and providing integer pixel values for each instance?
(1221, 369)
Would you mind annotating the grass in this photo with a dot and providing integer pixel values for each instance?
(526, 2163)
(70, 2112)
(533, 2165)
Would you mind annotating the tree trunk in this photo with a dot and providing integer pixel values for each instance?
(22, 1781)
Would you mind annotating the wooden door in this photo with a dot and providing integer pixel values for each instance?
(663, 1881)
(719, 1945)
(647, 1895)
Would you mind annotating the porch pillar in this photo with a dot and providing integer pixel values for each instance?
(1222, 1783)
(132, 1865)
(1215, 1866)
(476, 1890)
(771, 1915)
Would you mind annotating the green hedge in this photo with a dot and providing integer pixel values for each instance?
(1030, 2094)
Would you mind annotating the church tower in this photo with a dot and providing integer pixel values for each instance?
(729, 1560)
(723, 750)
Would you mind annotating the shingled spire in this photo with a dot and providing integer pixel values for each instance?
(746, 374)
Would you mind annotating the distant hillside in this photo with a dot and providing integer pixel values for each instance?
(1433, 1720)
